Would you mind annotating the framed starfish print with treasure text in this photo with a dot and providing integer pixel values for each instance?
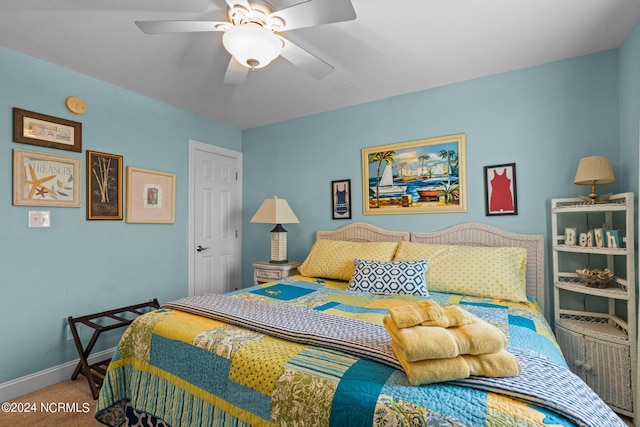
(41, 179)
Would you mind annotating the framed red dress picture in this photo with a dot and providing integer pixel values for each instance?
(500, 190)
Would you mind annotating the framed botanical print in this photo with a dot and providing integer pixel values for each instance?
(150, 196)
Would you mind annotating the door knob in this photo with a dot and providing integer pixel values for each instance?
(199, 248)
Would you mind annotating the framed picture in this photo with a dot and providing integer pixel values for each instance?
(41, 179)
(46, 131)
(104, 186)
(422, 176)
(500, 196)
(150, 196)
(341, 199)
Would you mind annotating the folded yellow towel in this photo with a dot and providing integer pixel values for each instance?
(432, 342)
(499, 364)
(429, 313)
(413, 314)
(453, 316)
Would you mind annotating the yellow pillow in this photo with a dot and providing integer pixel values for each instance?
(333, 259)
(493, 272)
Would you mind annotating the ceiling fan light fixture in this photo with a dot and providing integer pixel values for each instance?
(252, 45)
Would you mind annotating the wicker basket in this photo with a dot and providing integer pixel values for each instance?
(595, 278)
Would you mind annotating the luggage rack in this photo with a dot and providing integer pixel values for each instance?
(116, 318)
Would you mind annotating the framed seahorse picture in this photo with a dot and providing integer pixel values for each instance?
(500, 190)
(341, 199)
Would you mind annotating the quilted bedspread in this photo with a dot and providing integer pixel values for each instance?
(305, 352)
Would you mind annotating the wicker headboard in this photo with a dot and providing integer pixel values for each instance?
(363, 232)
(470, 234)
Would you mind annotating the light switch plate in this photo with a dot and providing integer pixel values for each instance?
(39, 219)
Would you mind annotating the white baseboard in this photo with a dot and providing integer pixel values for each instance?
(32, 382)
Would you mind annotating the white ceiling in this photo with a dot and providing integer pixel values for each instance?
(392, 47)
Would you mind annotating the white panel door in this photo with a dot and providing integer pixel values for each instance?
(215, 218)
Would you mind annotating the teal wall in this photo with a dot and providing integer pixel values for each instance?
(77, 266)
(630, 110)
(544, 119)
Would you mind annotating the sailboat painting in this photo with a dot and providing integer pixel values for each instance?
(422, 176)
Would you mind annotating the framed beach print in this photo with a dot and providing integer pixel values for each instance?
(104, 186)
(341, 199)
(422, 176)
(41, 179)
(500, 197)
(150, 196)
(46, 131)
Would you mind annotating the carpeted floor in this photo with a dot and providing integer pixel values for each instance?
(66, 404)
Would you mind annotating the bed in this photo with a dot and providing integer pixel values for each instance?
(314, 349)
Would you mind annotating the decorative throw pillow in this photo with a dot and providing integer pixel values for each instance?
(394, 277)
(333, 259)
(491, 272)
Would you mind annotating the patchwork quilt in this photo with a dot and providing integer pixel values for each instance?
(307, 352)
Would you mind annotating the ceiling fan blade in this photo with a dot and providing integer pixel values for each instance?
(236, 73)
(316, 12)
(305, 60)
(162, 27)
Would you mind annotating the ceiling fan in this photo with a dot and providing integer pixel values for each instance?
(251, 35)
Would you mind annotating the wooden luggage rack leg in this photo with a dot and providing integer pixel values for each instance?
(95, 372)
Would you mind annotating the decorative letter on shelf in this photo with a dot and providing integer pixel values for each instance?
(570, 236)
(613, 238)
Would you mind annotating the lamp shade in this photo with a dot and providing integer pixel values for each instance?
(275, 211)
(594, 170)
(252, 45)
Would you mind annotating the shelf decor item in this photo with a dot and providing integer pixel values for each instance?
(595, 278)
(591, 171)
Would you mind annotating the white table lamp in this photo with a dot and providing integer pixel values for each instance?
(276, 211)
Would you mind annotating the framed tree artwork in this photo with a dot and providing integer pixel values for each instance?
(500, 196)
(104, 186)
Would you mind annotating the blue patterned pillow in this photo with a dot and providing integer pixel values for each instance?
(394, 277)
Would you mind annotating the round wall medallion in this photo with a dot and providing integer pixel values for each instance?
(76, 105)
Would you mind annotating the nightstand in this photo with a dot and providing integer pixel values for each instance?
(264, 271)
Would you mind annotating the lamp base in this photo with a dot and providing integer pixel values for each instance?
(278, 245)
